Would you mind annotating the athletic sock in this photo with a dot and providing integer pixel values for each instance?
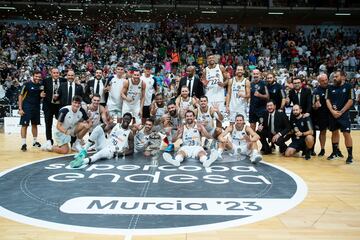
(34, 140)
(23, 141)
(203, 158)
(349, 149)
(335, 147)
(179, 158)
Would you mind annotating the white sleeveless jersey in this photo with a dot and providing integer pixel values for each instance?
(214, 92)
(134, 92)
(237, 137)
(114, 100)
(238, 104)
(149, 89)
(185, 104)
(191, 137)
(206, 118)
(119, 137)
(160, 111)
(141, 140)
(95, 116)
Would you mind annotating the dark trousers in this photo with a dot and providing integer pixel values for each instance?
(265, 138)
(51, 111)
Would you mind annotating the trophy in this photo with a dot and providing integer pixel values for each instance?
(296, 129)
(261, 120)
(334, 107)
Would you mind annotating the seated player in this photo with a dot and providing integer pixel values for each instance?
(191, 134)
(241, 139)
(119, 143)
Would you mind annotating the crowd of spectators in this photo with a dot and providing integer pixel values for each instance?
(169, 49)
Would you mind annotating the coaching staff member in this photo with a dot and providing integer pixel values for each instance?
(51, 102)
(339, 99)
(69, 89)
(275, 127)
(29, 108)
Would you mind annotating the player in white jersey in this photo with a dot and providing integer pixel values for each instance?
(96, 112)
(209, 116)
(241, 139)
(73, 121)
(147, 140)
(215, 80)
(191, 134)
(238, 94)
(149, 81)
(170, 123)
(133, 94)
(184, 102)
(114, 102)
(120, 142)
(158, 110)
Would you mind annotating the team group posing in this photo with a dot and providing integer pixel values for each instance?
(204, 117)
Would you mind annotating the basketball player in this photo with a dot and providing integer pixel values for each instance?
(191, 134)
(133, 94)
(214, 79)
(146, 140)
(119, 143)
(207, 116)
(157, 109)
(241, 139)
(96, 112)
(149, 81)
(114, 103)
(184, 102)
(238, 94)
(73, 121)
(170, 123)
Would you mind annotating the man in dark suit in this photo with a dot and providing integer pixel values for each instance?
(301, 96)
(193, 82)
(274, 128)
(51, 103)
(97, 85)
(69, 89)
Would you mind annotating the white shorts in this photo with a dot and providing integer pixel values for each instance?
(61, 138)
(191, 151)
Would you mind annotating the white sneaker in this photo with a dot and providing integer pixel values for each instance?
(255, 157)
(168, 158)
(47, 146)
(213, 156)
(76, 146)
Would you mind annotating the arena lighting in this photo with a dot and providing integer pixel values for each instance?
(75, 9)
(209, 12)
(342, 14)
(142, 10)
(275, 13)
(7, 8)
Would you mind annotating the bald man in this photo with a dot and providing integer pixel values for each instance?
(192, 81)
(320, 113)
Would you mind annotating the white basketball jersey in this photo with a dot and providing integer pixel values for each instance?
(206, 118)
(191, 137)
(114, 100)
(237, 137)
(214, 92)
(237, 103)
(119, 137)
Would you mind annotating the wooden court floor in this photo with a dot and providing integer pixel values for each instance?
(331, 209)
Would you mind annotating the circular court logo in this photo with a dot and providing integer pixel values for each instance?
(133, 196)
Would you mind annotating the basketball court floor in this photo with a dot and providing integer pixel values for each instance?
(282, 198)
